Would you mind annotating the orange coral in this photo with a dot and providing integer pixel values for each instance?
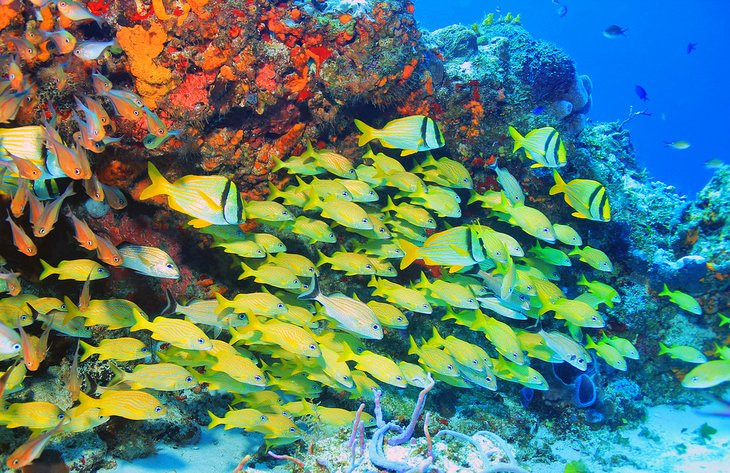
(142, 46)
(6, 15)
(266, 78)
(214, 57)
(160, 11)
(197, 6)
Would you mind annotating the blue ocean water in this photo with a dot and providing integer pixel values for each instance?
(688, 94)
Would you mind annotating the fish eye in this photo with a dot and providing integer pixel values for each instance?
(580, 360)
(430, 220)
(371, 193)
(594, 318)
(241, 316)
(42, 231)
(398, 378)
(63, 307)
(475, 362)
(425, 306)
(695, 379)
(169, 265)
(23, 317)
(310, 269)
(292, 429)
(470, 300)
(77, 171)
(381, 229)
(100, 270)
(16, 347)
(61, 416)
(365, 220)
(514, 355)
(332, 235)
(158, 408)
(189, 379)
(257, 378)
(312, 347)
(285, 212)
(278, 306)
(200, 340)
(136, 112)
(260, 252)
(449, 367)
(263, 418)
(116, 259)
(399, 319)
(376, 327)
(346, 378)
(368, 266)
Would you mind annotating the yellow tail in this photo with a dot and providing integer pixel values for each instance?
(47, 270)
(85, 403)
(411, 253)
(140, 323)
(368, 132)
(215, 420)
(159, 184)
(559, 183)
(223, 303)
(519, 139)
(88, 350)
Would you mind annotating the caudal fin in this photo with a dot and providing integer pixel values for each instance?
(47, 270)
(215, 420)
(411, 253)
(140, 323)
(367, 133)
(159, 183)
(663, 349)
(665, 291)
(559, 183)
(223, 303)
(519, 139)
(88, 350)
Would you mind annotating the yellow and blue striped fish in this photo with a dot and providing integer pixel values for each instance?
(149, 261)
(456, 247)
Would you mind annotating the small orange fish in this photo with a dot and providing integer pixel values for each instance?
(21, 240)
(30, 352)
(36, 208)
(49, 217)
(26, 169)
(32, 449)
(20, 198)
(93, 188)
(68, 160)
(107, 252)
(96, 107)
(25, 48)
(83, 234)
(127, 104)
(15, 76)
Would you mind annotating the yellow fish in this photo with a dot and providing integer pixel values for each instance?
(257, 303)
(211, 200)
(350, 314)
(114, 313)
(239, 368)
(380, 367)
(542, 145)
(456, 247)
(587, 197)
(148, 260)
(352, 263)
(501, 335)
(411, 134)
(291, 338)
(35, 415)
(448, 294)
(298, 264)
(272, 275)
(594, 257)
(130, 404)
(315, 230)
(409, 299)
(244, 419)
(160, 377)
(347, 214)
(388, 315)
(335, 163)
(87, 420)
(78, 270)
(179, 333)
(267, 211)
(414, 374)
(434, 359)
(120, 349)
(462, 352)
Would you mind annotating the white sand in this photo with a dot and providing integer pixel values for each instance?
(219, 451)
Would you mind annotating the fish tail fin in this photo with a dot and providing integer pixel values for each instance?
(247, 271)
(86, 402)
(590, 343)
(223, 303)
(47, 270)
(473, 197)
(322, 258)
(390, 206)
(88, 350)
(347, 353)
(574, 252)
(519, 139)
(171, 305)
(663, 349)
(72, 310)
(437, 339)
(215, 420)
(423, 282)
(117, 375)
(411, 253)
(278, 165)
(313, 200)
(583, 281)
(665, 291)
(412, 347)
(140, 323)
(309, 153)
(159, 183)
(429, 161)
(313, 292)
(559, 183)
(368, 132)
(274, 191)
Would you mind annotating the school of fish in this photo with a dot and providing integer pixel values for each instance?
(278, 346)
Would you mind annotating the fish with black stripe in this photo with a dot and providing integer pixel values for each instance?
(543, 145)
(587, 197)
(410, 134)
(211, 200)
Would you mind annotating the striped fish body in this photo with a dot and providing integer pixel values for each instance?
(380, 367)
(211, 200)
(533, 222)
(266, 210)
(130, 404)
(510, 186)
(543, 145)
(523, 374)
(258, 303)
(359, 190)
(456, 247)
(411, 134)
(242, 248)
(36, 415)
(347, 214)
(159, 376)
(114, 313)
(315, 230)
(149, 261)
(577, 313)
(335, 163)
(587, 197)
(239, 368)
(25, 142)
(567, 349)
(352, 315)
(441, 200)
(453, 294)
(73, 328)
(502, 336)
(176, 332)
(291, 338)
